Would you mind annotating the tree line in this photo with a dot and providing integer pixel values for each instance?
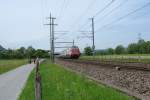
(23, 52)
(141, 47)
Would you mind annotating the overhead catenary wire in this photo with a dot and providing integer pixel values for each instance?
(83, 26)
(79, 18)
(64, 6)
(59, 17)
(84, 13)
(61, 8)
(111, 11)
(123, 17)
(100, 11)
(104, 8)
(61, 35)
(89, 6)
(42, 10)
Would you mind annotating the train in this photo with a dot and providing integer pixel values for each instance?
(72, 53)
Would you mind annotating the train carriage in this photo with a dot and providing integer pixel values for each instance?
(72, 52)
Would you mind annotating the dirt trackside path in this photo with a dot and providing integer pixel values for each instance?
(12, 82)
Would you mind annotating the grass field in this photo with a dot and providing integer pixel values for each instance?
(143, 58)
(6, 65)
(60, 84)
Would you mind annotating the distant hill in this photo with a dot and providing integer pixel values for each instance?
(1, 48)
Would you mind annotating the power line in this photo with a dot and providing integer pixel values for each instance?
(84, 13)
(100, 11)
(83, 25)
(60, 14)
(116, 8)
(42, 10)
(61, 35)
(61, 31)
(105, 7)
(93, 30)
(89, 6)
(64, 5)
(123, 17)
(61, 8)
(63, 42)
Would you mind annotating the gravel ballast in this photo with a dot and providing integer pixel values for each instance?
(135, 81)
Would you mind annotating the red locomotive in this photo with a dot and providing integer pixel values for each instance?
(72, 52)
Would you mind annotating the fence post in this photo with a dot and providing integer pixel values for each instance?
(38, 87)
(37, 67)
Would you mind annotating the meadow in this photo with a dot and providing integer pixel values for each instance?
(141, 58)
(7, 65)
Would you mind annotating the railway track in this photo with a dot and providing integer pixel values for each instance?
(111, 64)
(132, 78)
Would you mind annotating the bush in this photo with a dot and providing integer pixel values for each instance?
(120, 50)
(88, 51)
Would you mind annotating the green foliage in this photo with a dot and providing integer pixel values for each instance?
(22, 52)
(119, 49)
(110, 51)
(88, 51)
(147, 49)
(41, 53)
(30, 52)
(100, 52)
(141, 47)
(133, 48)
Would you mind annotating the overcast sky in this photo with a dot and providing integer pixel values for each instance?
(21, 22)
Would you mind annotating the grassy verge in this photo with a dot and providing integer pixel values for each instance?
(60, 84)
(6, 65)
(119, 58)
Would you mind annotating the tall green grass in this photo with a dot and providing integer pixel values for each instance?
(60, 84)
(7, 65)
(120, 58)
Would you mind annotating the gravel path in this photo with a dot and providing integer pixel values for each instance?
(12, 82)
(135, 81)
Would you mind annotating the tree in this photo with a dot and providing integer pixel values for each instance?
(88, 51)
(148, 47)
(141, 41)
(133, 48)
(100, 52)
(119, 49)
(30, 52)
(110, 51)
(41, 53)
(22, 52)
